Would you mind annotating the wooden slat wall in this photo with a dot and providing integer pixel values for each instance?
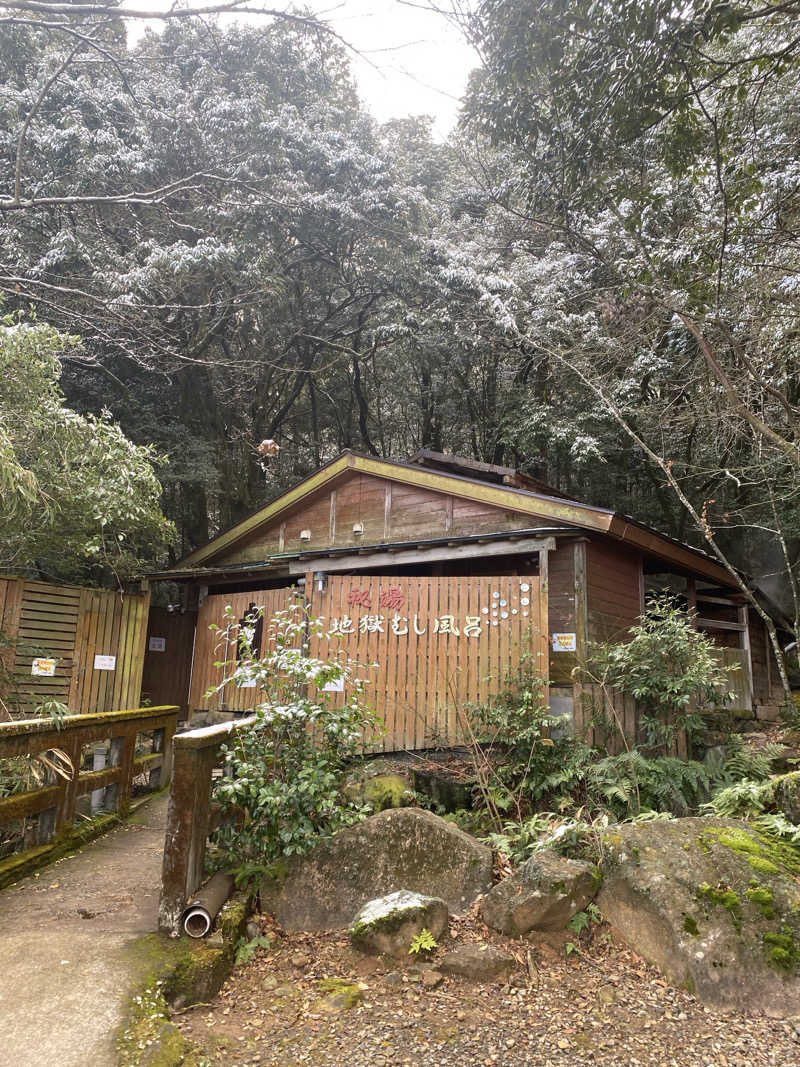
(72, 625)
(623, 717)
(48, 622)
(110, 625)
(387, 511)
(423, 681)
(218, 647)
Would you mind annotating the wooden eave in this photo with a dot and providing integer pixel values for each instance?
(558, 511)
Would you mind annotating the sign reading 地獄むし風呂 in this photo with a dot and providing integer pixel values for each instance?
(364, 615)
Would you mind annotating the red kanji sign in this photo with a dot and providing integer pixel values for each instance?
(360, 597)
(391, 598)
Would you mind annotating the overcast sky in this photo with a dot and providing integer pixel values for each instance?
(414, 62)
(422, 61)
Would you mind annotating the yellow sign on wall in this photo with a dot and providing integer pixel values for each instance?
(43, 668)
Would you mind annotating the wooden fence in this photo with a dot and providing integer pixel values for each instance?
(139, 744)
(430, 646)
(190, 818)
(427, 647)
(95, 637)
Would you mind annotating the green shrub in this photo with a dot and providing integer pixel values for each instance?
(667, 666)
(283, 786)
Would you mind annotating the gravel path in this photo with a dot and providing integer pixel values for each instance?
(602, 1006)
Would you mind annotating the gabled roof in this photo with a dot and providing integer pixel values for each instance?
(558, 511)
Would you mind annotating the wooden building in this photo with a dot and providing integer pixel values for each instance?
(445, 572)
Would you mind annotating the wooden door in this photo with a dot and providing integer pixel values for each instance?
(429, 647)
(168, 658)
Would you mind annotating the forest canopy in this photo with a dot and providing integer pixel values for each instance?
(595, 279)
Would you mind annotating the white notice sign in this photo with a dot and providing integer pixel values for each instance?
(105, 663)
(157, 644)
(564, 643)
(43, 668)
(336, 686)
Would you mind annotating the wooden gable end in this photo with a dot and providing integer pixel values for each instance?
(386, 510)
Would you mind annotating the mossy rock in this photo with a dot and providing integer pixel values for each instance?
(175, 973)
(382, 791)
(787, 796)
(714, 904)
(341, 995)
(543, 894)
(405, 848)
(389, 924)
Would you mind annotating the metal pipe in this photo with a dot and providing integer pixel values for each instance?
(205, 905)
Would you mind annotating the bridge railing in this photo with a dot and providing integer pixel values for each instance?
(190, 818)
(137, 744)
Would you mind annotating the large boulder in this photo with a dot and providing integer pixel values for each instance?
(389, 925)
(543, 894)
(714, 904)
(403, 848)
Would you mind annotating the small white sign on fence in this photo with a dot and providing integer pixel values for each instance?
(105, 663)
(43, 668)
(564, 642)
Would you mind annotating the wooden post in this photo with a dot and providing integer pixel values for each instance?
(744, 644)
(189, 818)
(581, 633)
(544, 617)
(188, 821)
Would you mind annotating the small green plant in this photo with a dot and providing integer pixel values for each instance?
(582, 920)
(245, 950)
(423, 943)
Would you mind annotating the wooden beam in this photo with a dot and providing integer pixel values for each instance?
(728, 602)
(745, 644)
(653, 544)
(362, 560)
(387, 512)
(718, 624)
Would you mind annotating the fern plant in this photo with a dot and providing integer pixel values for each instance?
(423, 943)
(742, 799)
(743, 762)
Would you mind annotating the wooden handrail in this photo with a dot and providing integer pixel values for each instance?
(195, 754)
(55, 802)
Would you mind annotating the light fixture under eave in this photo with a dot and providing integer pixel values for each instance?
(358, 528)
(321, 578)
(305, 535)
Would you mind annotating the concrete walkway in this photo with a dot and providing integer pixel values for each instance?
(65, 977)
